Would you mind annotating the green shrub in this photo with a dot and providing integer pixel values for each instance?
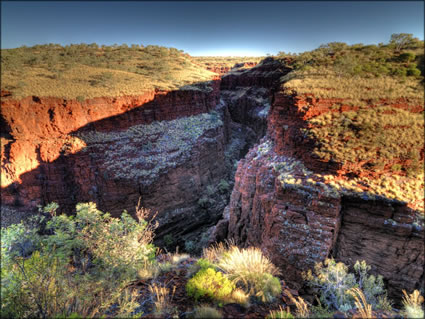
(399, 71)
(211, 284)
(190, 246)
(205, 202)
(396, 167)
(204, 263)
(78, 264)
(223, 186)
(169, 241)
(413, 72)
(267, 287)
(334, 281)
(407, 57)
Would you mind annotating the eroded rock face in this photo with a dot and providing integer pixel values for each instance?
(115, 151)
(45, 117)
(248, 94)
(383, 235)
(294, 226)
(264, 74)
(283, 203)
(298, 225)
(59, 150)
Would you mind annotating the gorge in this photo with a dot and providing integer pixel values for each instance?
(224, 159)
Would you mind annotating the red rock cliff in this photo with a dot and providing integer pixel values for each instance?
(282, 203)
(63, 150)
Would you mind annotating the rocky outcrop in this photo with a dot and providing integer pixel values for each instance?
(292, 205)
(386, 236)
(223, 67)
(265, 74)
(296, 226)
(63, 150)
(248, 93)
(300, 223)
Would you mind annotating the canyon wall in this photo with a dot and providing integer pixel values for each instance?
(283, 203)
(162, 147)
(65, 151)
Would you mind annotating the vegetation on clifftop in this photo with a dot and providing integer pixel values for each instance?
(224, 61)
(374, 124)
(82, 71)
(359, 73)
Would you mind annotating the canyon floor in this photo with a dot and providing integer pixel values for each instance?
(305, 157)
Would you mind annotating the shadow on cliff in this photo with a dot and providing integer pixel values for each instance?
(72, 177)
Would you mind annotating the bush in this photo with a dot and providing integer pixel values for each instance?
(206, 312)
(412, 305)
(252, 270)
(223, 186)
(334, 281)
(280, 314)
(407, 57)
(413, 71)
(204, 264)
(77, 265)
(205, 202)
(267, 287)
(211, 284)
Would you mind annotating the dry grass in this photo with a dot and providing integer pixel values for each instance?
(225, 61)
(162, 298)
(363, 308)
(88, 73)
(239, 296)
(325, 83)
(241, 262)
(300, 304)
(252, 271)
(412, 304)
(215, 252)
(375, 136)
(358, 72)
(414, 299)
(202, 312)
(280, 314)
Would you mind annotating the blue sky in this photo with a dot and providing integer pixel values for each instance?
(210, 28)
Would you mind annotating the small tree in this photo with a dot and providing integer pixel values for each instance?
(401, 40)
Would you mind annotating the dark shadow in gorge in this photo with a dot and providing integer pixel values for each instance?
(82, 177)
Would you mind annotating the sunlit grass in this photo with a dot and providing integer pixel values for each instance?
(325, 83)
(209, 61)
(85, 73)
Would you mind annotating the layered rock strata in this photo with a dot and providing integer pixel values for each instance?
(161, 147)
(299, 211)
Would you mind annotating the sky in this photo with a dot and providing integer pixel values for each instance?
(235, 28)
